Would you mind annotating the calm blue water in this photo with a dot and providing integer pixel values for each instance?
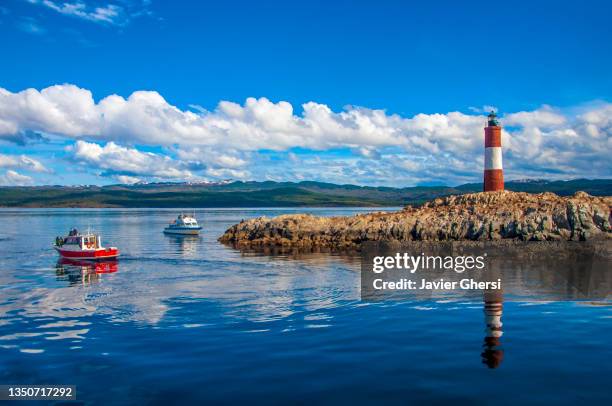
(190, 320)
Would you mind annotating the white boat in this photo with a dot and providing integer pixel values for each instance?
(183, 225)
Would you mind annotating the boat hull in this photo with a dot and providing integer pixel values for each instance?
(183, 231)
(97, 254)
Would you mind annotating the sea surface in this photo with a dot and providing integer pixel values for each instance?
(187, 320)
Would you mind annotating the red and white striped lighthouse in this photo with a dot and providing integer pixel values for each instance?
(493, 171)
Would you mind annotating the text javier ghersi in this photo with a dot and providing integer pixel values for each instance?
(412, 263)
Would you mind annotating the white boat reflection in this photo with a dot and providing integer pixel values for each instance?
(186, 245)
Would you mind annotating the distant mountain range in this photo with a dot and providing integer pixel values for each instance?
(266, 194)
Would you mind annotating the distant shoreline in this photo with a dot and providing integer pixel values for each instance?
(265, 194)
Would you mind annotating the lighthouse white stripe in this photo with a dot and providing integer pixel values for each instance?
(493, 158)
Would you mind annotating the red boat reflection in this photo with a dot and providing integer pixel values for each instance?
(91, 266)
(82, 272)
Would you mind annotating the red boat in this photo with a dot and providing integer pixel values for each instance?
(84, 246)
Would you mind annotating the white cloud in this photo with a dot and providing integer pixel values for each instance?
(127, 180)
(65, 110)
(484, 109)
(390, 169)
(118, 160)
(224, 173)
(230, 138)
(209, 156)
(118, 14)
(542, 117)
(146, 118)
(110, 13)
(21, 161)
(12, 178)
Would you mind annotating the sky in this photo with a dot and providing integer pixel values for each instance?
(383, 93)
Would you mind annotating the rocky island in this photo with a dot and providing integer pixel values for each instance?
(500, 215)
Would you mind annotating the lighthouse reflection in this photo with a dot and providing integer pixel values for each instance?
(493, 354)
(80, 272)
(528, 272)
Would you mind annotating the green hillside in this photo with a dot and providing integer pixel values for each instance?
(265, 194)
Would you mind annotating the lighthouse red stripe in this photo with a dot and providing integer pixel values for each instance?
(492, 137)
(493, 180)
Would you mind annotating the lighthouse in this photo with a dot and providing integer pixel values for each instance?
(493, 171)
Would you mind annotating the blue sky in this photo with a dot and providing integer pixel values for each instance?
(395, 90)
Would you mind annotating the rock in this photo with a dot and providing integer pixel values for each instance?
(477, 217)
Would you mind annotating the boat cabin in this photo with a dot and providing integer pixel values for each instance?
(88, 241)
(184, 220)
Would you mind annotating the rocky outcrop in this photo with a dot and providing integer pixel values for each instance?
(476, 217)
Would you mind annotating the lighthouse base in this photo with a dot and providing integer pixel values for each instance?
(493, 180)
